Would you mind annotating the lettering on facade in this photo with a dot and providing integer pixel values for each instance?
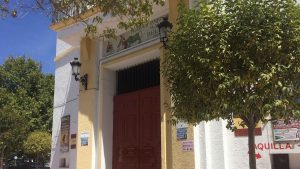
(132, 38)
(273, 146)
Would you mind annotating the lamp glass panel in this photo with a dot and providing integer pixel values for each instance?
(163, 32)
(74, 70)
(77, 69)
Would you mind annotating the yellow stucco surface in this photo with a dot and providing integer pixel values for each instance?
(87, 103)
(166, 141)
(182, 159)
(85, 125)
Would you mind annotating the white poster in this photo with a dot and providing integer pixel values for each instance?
(286, 131)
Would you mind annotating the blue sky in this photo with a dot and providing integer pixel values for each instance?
(30, 36)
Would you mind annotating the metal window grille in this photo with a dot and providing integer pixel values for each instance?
(138, 77)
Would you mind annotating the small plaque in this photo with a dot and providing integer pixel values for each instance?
(181, 134)
(182, 124)
(73, 141)
(84, 137)
(187, 146)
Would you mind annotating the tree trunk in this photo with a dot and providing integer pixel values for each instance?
(37, 161)
(251, 144)
(1, 159)
(1, 162)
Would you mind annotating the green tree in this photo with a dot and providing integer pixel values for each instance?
(38, 146)
(130, 13)
(235, 58)
(32, 91)
(12, 127)
(26, 103)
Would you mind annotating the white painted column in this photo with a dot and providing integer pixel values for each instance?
(200, 146)
(96, 120)
(108, 82)
(214, 145)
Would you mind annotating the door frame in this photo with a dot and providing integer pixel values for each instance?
(107, 90)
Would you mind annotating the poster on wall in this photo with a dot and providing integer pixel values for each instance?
(84, 137)
(73, 141)
(286, 131)
(64, 134)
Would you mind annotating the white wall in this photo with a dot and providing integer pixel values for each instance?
(107, 92)
(65, 103)
(294, 161)
(216, 147)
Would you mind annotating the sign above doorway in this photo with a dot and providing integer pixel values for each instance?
(130, 39)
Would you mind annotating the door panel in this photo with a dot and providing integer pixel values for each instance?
(281, 161)
(137, 130)
(150, 129)
(126, 133)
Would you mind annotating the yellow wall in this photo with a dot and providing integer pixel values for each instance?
(87, 102)
(237, 123)
(180, 159)
(85, 124)
(166, 128)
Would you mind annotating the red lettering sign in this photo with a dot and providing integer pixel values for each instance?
(273, 146)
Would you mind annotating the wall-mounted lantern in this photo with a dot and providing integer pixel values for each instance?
(76, 73)
(164, 27)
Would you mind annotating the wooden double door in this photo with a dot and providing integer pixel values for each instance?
(137, 138)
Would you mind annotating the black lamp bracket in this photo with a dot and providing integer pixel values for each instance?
(83, 80)
(167, 27)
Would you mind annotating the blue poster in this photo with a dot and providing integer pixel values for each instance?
(181, 134)
(84, 139)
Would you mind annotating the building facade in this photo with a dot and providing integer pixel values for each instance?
(121, 120)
